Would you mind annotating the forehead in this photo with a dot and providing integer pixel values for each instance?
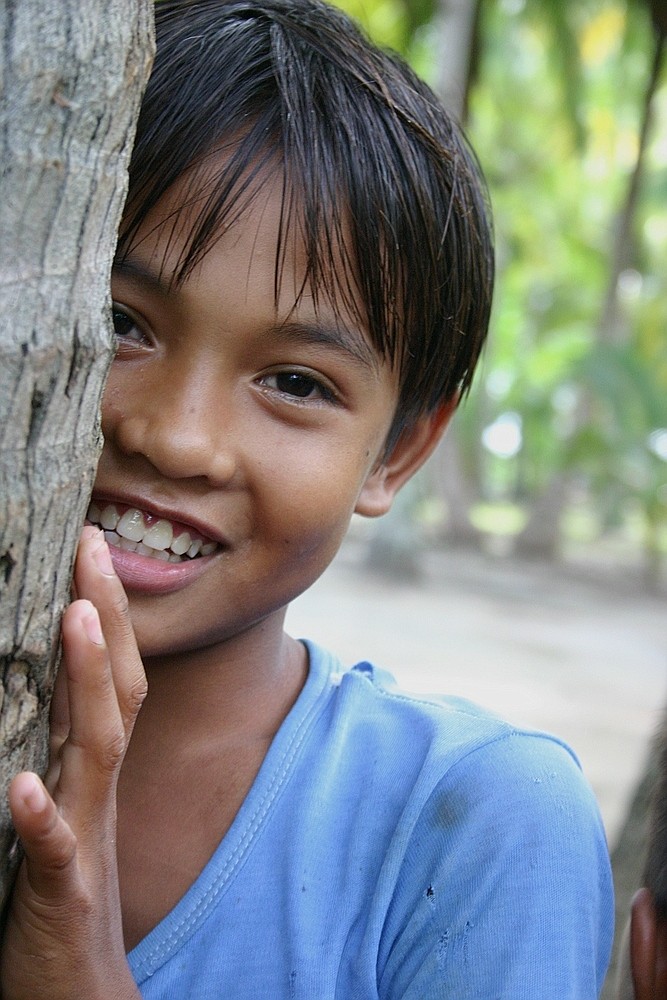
(260, 219)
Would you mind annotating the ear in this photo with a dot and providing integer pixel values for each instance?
(648, 949)
(413, 447)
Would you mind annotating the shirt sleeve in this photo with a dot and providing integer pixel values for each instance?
(505, 890)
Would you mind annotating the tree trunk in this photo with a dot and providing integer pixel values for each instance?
(72, 75)
(459, 31)
(611, 327)
(459, 27)
(452, 483)
(541, 536)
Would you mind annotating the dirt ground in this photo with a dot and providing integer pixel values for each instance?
(580, 654)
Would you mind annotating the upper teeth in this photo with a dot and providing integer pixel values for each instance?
(147, 539)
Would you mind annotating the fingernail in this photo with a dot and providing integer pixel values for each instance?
(102, 558)
(35, 798)
(92, 628)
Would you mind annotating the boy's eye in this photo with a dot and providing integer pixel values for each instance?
(299, 385)
(125, 327)
(295, 384)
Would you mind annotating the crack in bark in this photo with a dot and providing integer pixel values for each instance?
(7, 564)
(22, 711)
(74, 363)
(39, 407)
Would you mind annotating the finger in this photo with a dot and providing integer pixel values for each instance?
(95, 747)
(47, 840)
(59, 709)
(97, 581)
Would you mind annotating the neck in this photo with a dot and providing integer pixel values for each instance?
(243, 687)
(199, 742)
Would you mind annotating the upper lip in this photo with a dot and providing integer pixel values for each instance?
(162, 510)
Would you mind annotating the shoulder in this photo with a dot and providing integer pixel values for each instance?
(499, 860)
(483, 855)
(440, 734)
(447, 763)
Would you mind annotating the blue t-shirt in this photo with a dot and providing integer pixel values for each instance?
(395, 846)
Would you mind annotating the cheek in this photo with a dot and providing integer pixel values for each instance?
(112, 413)
(315, 544)
(112, 402)
(314, 496)
(309, 531)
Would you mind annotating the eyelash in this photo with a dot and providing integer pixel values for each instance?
(324, 393)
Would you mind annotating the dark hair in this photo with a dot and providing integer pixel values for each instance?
(374, 170)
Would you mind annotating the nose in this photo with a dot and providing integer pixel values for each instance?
(176, 419)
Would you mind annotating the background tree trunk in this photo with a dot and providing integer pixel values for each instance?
(459, 29)
(396, 540)
(72, 75)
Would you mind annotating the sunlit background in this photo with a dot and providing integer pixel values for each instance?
(563, 442)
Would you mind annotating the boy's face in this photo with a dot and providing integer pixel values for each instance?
(257, 431)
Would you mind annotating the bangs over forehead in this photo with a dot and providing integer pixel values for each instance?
(212, 195)
(378, 182)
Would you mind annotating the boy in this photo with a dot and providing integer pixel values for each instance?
(643, 964)
(301, 293)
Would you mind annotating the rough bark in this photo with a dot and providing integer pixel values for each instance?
(71, 78)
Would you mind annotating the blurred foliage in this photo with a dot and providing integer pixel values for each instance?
(555, 115)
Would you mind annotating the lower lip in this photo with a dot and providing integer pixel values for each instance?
(153, 576)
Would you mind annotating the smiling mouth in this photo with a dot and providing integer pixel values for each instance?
(134, 530)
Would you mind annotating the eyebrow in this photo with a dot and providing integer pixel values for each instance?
(338, 336)
(130, 267)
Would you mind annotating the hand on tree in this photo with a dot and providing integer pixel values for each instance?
(64, 938)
